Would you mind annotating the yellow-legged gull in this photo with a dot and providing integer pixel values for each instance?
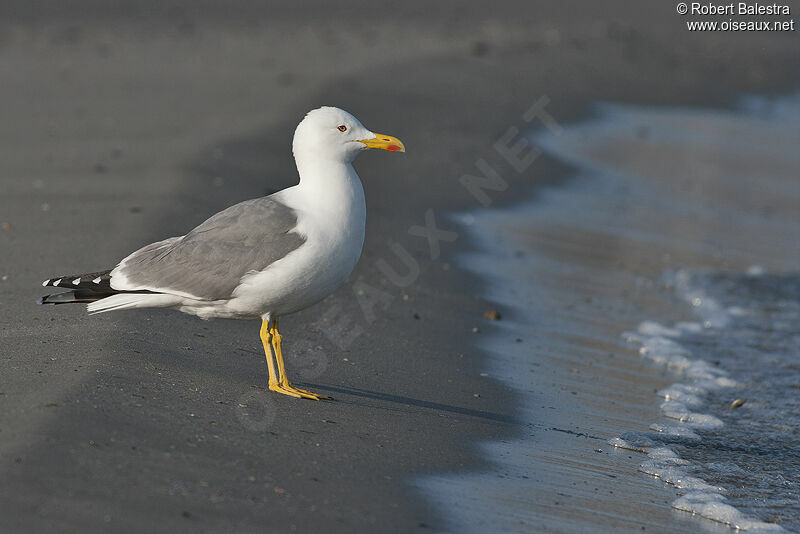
(259, 259)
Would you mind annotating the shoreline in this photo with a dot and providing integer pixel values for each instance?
(405, 407)
(578, 383)
(592, 266)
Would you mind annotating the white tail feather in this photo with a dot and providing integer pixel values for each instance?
(129, 301)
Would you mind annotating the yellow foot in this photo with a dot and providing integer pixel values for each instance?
(288, 389)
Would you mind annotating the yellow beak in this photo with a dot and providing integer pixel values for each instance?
(384, 142)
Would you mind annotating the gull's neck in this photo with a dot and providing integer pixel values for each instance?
(313, 168)
(329, 185)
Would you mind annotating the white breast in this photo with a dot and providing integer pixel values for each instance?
(331, 216)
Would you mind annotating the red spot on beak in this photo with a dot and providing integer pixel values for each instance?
(392, 148)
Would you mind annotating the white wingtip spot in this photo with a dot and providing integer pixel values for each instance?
(76, 281)
(57, 282)
(45, 282)
(96, 280)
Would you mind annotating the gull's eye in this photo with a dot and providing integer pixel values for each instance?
(342, 128)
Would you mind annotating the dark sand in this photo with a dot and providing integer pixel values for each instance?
(122, 126)
(652, 189)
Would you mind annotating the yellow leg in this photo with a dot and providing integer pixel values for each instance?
(281, 384)
(266, 340)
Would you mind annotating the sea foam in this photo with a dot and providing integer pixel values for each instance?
(684, 402)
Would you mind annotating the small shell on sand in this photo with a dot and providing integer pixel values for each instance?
(492, 314)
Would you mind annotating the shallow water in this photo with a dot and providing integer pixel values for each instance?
(736, 406)
(642, 298)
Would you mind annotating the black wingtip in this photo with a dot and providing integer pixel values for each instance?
(44, 300)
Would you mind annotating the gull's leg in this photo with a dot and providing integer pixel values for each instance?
(266, 340)
(283, 385)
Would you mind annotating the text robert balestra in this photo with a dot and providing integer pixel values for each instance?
(740, 8)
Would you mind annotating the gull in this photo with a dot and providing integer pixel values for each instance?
(262, 258)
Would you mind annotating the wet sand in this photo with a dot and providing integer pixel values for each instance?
(124, 127)
(653, 191)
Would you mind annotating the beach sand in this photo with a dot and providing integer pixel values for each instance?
(655, 194)
(124, 125)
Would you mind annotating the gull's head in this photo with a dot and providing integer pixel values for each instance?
(333, 133)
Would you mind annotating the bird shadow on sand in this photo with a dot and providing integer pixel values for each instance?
(409, 402)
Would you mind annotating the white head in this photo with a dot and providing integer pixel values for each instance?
(334, 134)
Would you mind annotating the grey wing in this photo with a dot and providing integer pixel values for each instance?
(209, 262)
